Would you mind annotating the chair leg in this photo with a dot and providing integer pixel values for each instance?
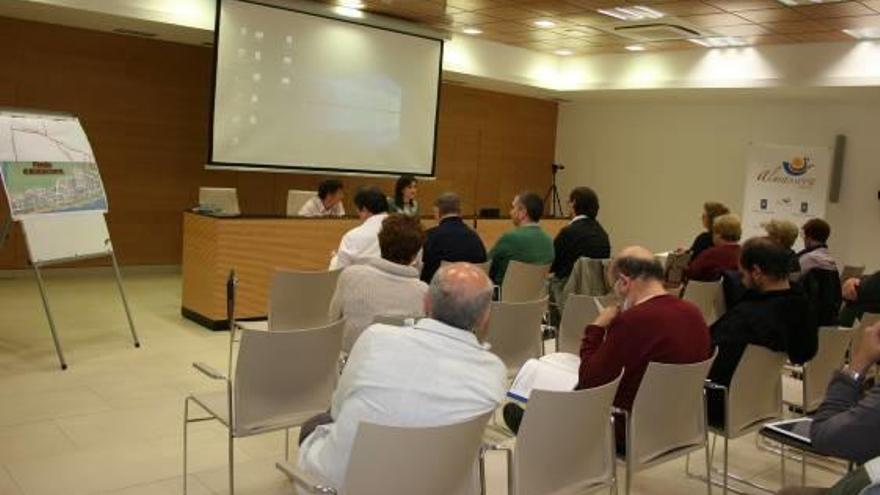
(628, 478)
(782, 456)
(231, 465)
(185, 428)
(481, 465)
(725, 464)
(708, 468)
(287, 444)
(804, 468)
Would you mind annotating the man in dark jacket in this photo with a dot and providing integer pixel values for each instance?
(862, 295)
(583, 237)
(770, 314)
(452, 240)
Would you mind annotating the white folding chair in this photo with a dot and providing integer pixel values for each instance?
(297, 299)
(219, 201)
(580, 311)
(524, 282)
(708, 296)
(296, 199)
(515, 332)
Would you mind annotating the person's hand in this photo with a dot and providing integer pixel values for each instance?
(869, 349)
(606, 315)
(851, 288)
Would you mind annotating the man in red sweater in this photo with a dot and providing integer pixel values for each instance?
(649, 325)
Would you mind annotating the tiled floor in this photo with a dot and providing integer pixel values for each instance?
(111, 423)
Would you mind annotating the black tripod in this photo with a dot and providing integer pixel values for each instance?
(555, 203)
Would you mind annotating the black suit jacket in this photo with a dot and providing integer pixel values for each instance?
(452, 240)
(583, 238)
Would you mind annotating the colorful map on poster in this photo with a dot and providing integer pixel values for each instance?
(48, 166)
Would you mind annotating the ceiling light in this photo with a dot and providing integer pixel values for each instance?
(719, 42)
(635, 48)
(352, 4)
(871, 33)
(348, 12)
(792, 3)
(472, 31)
(632, 13)
(545, 23)
(564, 53)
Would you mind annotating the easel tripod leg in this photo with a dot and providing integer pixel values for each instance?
(49, 317)
(134, 337)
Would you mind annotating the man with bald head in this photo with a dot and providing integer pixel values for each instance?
(436, 372)
(648, 325)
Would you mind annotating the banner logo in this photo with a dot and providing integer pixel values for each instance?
(798, 165)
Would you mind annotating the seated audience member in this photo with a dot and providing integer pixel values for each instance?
(818, 276)
(436, 373)
(815, 255)
(711, 211)
(847, 424)
(582, 237)
(363, 241)
(770, 314)
(527, 243)
(451, 240)
(328, 202)
(785, 233)
(386, 286)
(723, 256)
(862, 295)
(649, 325)
(404, 199)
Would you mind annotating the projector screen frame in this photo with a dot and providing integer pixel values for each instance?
(324, 11)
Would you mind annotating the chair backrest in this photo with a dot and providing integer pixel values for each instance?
(296, 199)
(281, 375)
(566, 440)
(851, 271)
(668, 415)
(866, 320)
(301, 299)
(524, 282)
(580, 311)
(605, 301)
(831, 353)
(755, 394)
(675, 265)
(436, 460)
(708, 296)
(222, 200)
(515, 331)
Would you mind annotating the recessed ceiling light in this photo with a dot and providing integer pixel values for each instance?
(348, 12)
(635, 48)
(719, 42)
(632, 13)
(792, 3)
(545, 23)
(563, 53)
(352, 4)
(864, 33)
(472, 31)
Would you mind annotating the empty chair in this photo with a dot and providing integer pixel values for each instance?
(296, 199)
(851, 271)
(425, 460)
(565, 443)
(280, 380)
(708, 296)
(668, 417)
(297, 300)
(810, 390)
(219, 201)
(753, 398)
(524, 282)
(515, 332)
(580, 311)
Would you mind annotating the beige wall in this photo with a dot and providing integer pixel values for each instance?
(654, 160)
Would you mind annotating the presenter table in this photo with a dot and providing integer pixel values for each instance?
(256, 246)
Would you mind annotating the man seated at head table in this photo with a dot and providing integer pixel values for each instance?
(328, 202)
(386, 286)
(363, 240)
(649, 325)
(435, 373)
(847, 424)
(527, 242)
(451, 240)
(771, 313)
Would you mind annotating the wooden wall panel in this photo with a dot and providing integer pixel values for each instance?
(145, 105)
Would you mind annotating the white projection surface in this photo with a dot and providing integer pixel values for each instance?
(302, 91)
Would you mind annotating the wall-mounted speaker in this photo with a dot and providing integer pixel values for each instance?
(837, 168)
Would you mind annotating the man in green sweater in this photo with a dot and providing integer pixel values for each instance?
(527, 243)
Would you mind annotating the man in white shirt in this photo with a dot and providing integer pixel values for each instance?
(328, 202)
(434, 373)
(363, 240)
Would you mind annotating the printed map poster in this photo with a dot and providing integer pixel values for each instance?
(48, 166)
(787, 183)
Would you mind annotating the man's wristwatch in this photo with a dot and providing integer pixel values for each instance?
(853, 374)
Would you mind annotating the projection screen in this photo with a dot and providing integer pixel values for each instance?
(303, 91)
